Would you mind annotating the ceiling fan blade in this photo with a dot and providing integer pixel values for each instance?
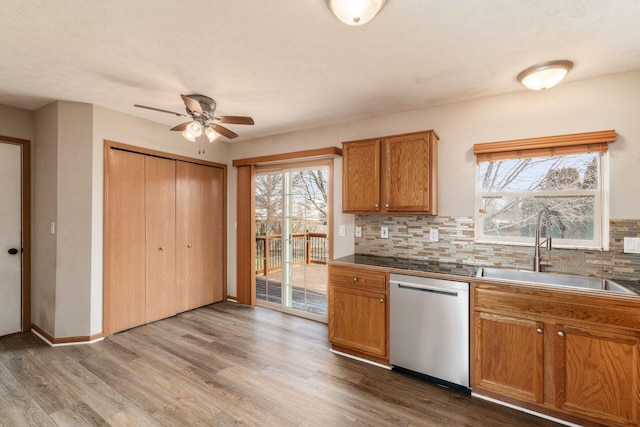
(161, 110)
(225, 132)
(192, 104)
(180, 127)
(235, 120)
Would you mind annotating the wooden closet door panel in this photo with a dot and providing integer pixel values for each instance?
(199, 235)
(160, 238)
(217, 241)
(124, 241)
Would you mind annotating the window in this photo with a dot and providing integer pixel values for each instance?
(557, 189)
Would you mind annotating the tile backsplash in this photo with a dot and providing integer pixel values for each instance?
(409, 238)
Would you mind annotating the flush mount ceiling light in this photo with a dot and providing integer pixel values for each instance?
(355, 12)
(545, 75)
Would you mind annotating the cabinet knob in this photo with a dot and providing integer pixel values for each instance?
(355, 279)
(161, 248)
(560, 333)
(386, 205)
(377, 206)
(189, 245)
(539, 330)
(381, 299)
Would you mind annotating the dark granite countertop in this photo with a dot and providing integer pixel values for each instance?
(464, 271)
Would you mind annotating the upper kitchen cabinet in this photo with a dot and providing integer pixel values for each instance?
(391, 175)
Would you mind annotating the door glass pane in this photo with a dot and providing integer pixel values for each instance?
(268, 216)
(291, 227)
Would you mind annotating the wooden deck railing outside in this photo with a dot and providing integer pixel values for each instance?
(308, 248)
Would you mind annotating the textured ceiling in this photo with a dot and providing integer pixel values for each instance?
(290, 63)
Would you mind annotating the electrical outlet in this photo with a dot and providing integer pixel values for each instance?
(384, 232)
(342, 231)
(631, 245)
(358, 231)
(433, 234)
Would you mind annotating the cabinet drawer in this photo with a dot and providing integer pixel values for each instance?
(358, 278)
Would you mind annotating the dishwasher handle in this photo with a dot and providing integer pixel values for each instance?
(430, 289)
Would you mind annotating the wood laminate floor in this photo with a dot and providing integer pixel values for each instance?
(225, 364)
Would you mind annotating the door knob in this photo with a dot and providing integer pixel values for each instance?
(12, 251)
(189, 245)
(161, 248)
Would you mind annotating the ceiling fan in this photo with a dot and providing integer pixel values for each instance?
(200, 110)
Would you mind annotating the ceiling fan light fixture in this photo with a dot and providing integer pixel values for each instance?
(212, 135)
(546, 75)
(355, 12)
(194, 129)
(188, 136)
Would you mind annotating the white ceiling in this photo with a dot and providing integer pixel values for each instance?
(290, 64)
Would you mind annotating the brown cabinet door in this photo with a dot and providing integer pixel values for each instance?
(598, 374)
(357, 320)
(509, 356)
(124, 241)
(406, 174)
(361, 176)
(199, 235)
(160, 238)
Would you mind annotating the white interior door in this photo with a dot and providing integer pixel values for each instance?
(10, 238)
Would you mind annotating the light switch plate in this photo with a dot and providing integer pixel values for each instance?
(632, 245)
(384, 232)
(433, 234)
(358, 231)
(342, 231)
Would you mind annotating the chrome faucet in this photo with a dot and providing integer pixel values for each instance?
(536, 249)
(547, 241)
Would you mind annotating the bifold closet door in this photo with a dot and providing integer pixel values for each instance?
(160, 227)
(199, 234)
(124, 242)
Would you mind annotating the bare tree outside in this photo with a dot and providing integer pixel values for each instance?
(269, 203)
(515, 193)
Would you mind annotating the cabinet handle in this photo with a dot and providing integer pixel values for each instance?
(189, 245)
(539, 330)
(381, 299)
(161, 248)
(355, 279)
(560, 333)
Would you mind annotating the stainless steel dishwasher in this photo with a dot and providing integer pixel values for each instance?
(429, 329)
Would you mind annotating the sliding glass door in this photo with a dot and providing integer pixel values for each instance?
(292, 245)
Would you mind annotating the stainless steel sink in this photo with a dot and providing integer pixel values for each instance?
(552, 279)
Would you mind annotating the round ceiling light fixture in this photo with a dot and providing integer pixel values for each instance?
(355, 12)
(545, 75)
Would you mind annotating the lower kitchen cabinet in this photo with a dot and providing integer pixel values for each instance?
(359, 313)
(571, 356)
(509, 356)
(597, 374)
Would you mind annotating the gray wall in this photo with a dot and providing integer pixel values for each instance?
(68, 172)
